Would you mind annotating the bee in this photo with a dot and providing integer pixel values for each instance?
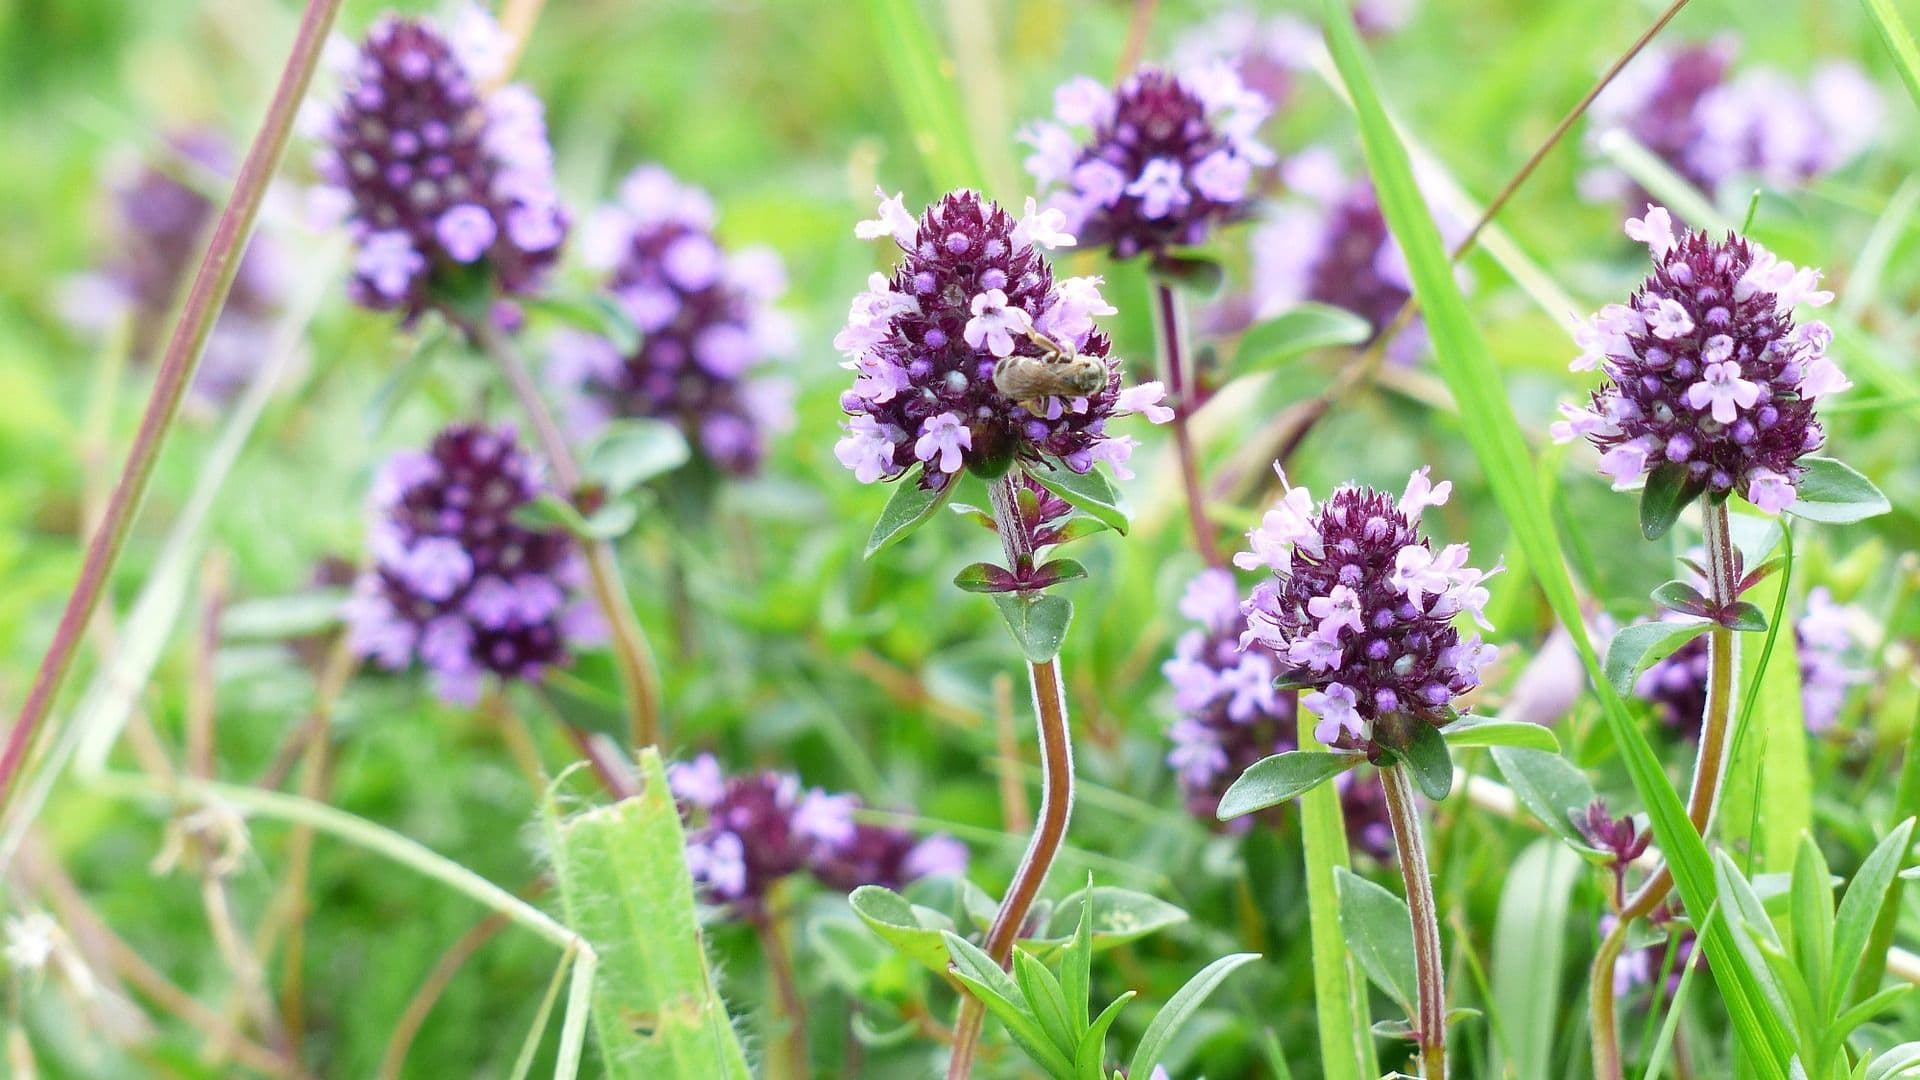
(1059, 371)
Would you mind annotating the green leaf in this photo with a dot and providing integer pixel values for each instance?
(1272, 781)
(1636, 648)
(909, 508)
(1682, 597)
(625, 887)
(1470, 731)
(631, 452)
(551, 512)
(1834, 494)
(1076, 967)
(1044, 999)
(1812, 916)
(1853, 925)
(1744, 617)
(1530, 936)
(1426, 757)
(1903, 1061)
(1119, 916)
(1200, 274)
(1668, 492)
(1091, 1055)
(1090, 491)
(1296, 333)
(1038, 623)
(595, 313)
(1766, 799)
(1055, 571)
(1380, 935)
(277, 618)
(1551, 789)
(1003, 998)
(1899, 41)
(1180, 1007)
(1342, 1015)
(1489, 426)
(983, 577)
(915, 931)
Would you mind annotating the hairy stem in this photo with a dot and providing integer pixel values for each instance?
(205, 297)
(1184, 397)
(1708, 770)
(1056, 803)
(1430, 1028)
(639, 679)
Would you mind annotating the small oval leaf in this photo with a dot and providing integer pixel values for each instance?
(1090, 491)
(1470, 731)
(1833, 493)
(908, 509)
(1274, 780)
(1038, 623)
(1295, 333)
(1668, 491)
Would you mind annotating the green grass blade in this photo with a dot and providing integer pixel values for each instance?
(1906, 804)
(623, 880)
(1494, 433)
(922, 77)
(523, 1061)
(1529, 947)
(1899, 42)
(1339, 997)
(1768, 798)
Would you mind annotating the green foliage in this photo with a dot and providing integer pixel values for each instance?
(624, 886)
(1282, 777)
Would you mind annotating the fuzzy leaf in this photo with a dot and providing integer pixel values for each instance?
(1427, 758)
(1272, 781)
(1119, 916)
(1683, 598)
(1470, 731)
(1038, 623)
(908, 509)
(1742, 616)
(1668, 492)
(1379, 935)
(1636, 648)
(1549, 787)
(1834, 494)
(631, 452)
(912, 929)
(1091, 491)
(985, 577)
(1295, 333)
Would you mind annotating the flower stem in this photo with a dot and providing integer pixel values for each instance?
(211, 283)
(1430, 1029)
(1708, 770)
(640, 680)
(1183, 395)
(792, 1007)
(1056, 802)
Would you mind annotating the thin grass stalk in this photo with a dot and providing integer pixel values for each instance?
(208, 293)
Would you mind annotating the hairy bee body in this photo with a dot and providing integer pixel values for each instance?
(1059, 372)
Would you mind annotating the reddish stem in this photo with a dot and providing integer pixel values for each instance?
(211, 282)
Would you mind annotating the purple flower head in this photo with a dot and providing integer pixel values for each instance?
(745, 839)
(1360, 611)
(1707, 371)
(1621, 838)
(1230, 713)
(971, 291)
(163, 222)
(1826, 640)
(1714, 128)
(705, 318)
(456, 582)
(750, 832)
(446, 184)
(1170, 156)
(1266, 52)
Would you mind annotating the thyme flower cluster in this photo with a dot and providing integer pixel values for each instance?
(447, 184)
(1360, 609)
(456, 582)
(1170, 156)
(705, 318)
(754, 830)
(972, 289)
(1707, 369)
